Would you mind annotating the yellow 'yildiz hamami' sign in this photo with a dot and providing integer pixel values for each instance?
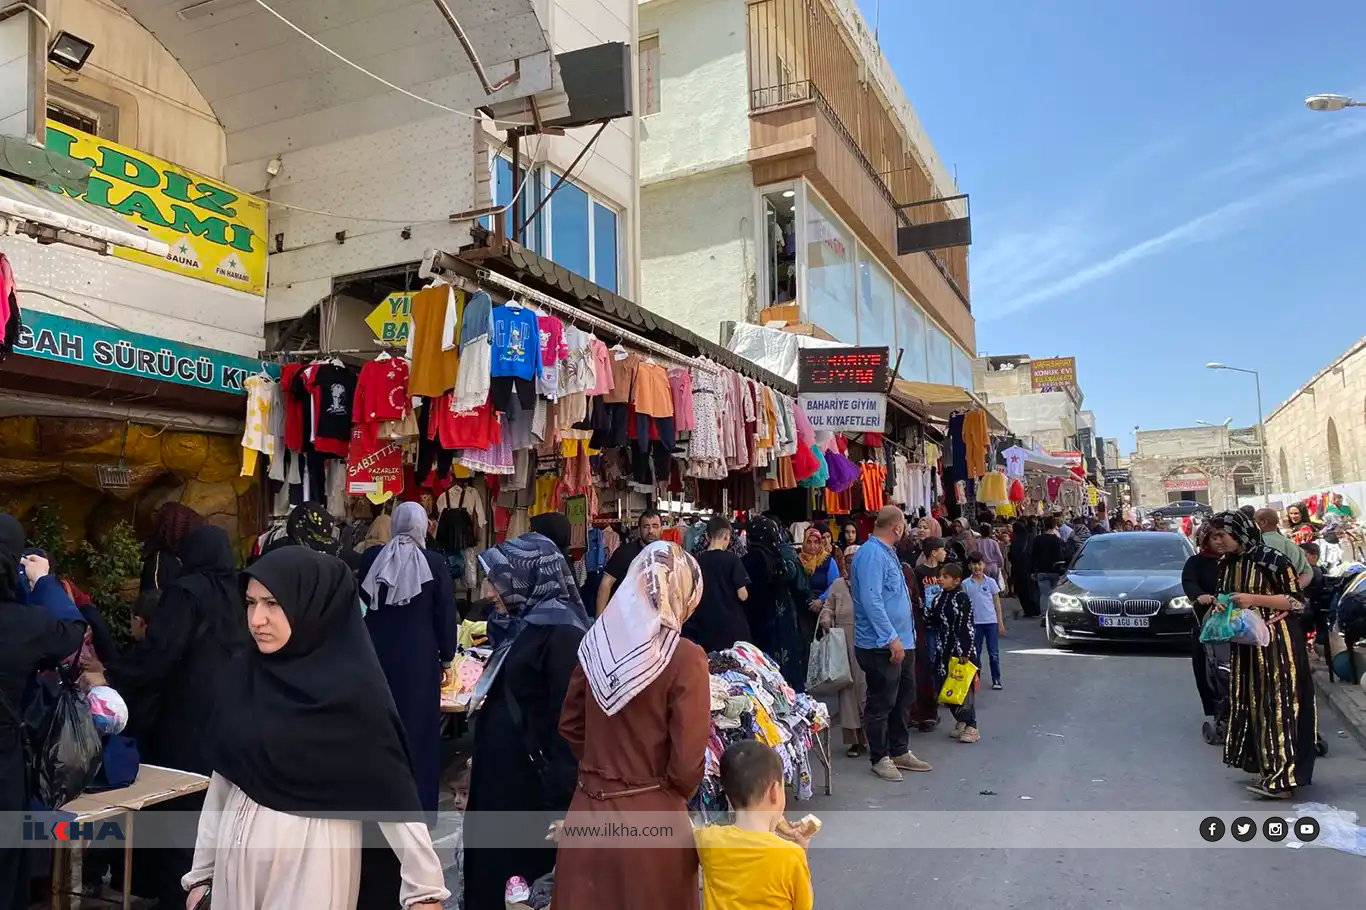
(214, 232)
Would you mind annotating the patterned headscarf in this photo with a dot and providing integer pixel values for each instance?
(402, 565)
(310, 525)
(766, 538)
(1240, 527)
(173, 521)
(634, 639)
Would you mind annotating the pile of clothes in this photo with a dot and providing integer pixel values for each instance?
(750, 700)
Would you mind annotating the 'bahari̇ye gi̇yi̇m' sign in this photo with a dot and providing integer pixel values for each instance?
(843, 390)
(215, 233)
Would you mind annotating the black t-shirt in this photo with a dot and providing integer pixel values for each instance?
(719, 620)
(621, 561)
(336, 389)
(924, 576)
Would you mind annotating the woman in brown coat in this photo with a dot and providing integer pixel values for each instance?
(637, 717)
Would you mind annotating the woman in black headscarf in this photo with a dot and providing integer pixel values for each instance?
(306, 743)
(554, 526)
(161, 560)
(777, 586)
(38, 624)
(1273, 721)
(308, 525)
(537, 624)
(1021, 556)
(170, 679)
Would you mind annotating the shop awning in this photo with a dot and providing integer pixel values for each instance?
(497, 253)
(59, 218)
(939, 401)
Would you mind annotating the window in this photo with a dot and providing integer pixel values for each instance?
(573, 229)
(940, 356)
(779, 243)
(80, 111)
(910, 338)
(74, 119)
(605, 247)
(962, 369)
(647, 100)
(569, 228)
(829, 273)
(876, 302)
(1335, 472)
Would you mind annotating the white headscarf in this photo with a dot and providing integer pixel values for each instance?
(634, 639)
(402, 565)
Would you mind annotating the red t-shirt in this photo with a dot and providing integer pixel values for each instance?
(294, 408)
(477, 429)
(382, 391)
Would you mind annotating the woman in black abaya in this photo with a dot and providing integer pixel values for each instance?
(306, 745)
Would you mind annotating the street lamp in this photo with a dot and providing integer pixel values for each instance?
(1261, 424)
(1325, 103)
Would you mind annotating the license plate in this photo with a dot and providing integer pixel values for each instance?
(1124, 622)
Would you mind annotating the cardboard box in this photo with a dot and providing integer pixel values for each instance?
(782, 312)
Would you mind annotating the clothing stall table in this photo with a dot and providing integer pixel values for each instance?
(154, 785)
(454, 709)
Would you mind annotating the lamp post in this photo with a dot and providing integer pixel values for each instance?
(1261, 424)
(1329, 103)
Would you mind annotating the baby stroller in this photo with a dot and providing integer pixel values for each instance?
(1216, 674)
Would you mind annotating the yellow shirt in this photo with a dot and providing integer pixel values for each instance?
(751, 870)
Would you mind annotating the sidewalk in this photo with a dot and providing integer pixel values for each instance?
(1349, 701)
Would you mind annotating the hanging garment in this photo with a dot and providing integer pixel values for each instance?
(992, 490)
(432, 348)
(553, 353)
(516, 343)
(680, 387)
(975, 441)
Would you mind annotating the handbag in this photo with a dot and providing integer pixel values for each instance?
(962, 673)
(827, 670)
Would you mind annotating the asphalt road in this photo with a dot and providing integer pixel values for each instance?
(1096, 732)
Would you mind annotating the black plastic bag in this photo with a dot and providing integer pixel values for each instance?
(66, 749)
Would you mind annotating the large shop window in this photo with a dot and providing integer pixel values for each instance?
(830, 274)
(876, 303)
(941, 360)
(962, 368)
(779, 244)
(574, 229)
(910, 337)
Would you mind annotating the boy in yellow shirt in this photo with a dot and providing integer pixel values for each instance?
(747, 866)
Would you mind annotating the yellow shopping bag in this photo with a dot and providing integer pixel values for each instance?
(961, 674)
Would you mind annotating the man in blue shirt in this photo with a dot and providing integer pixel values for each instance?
(884, 645)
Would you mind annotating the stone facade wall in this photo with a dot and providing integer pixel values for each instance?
(1219, 454)
(1298, 434)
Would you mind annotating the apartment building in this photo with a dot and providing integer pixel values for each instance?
(776, 151)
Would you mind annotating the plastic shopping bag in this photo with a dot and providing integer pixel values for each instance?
(961, 675)
(1251, 629)
(67, 751)
(1218, 625)
(828, 670)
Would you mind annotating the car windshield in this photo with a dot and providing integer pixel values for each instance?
(1133, 553)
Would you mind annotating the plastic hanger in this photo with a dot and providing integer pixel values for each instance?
(514, 304)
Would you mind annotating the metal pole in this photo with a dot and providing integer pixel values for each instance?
(1261, 433)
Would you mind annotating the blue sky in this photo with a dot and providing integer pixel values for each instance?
(1148, 191)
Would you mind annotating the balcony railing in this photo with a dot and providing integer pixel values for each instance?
(798, 52)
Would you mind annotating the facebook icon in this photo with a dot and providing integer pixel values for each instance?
(1212, 829)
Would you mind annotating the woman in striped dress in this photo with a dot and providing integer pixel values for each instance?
(1273, 722)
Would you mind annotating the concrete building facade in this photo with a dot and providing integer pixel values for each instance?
(1049, 420)
(1317, 437)
(774, 148)
(1215, 465)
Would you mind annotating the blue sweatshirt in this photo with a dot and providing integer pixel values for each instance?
(516, 343)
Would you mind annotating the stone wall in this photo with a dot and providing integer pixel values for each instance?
(1318, 437)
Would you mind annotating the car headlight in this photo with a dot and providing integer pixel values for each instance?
(1181, 604)
(1064, 602)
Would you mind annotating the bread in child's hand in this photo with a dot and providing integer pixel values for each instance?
(808, 826)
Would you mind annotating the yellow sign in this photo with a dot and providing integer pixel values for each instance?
(391, 320)
(215, 233)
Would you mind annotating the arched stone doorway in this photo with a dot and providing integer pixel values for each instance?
(1335, 473)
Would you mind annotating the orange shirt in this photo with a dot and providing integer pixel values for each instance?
(652, 395)
(435, 323)
(623, 376)
(872, 477)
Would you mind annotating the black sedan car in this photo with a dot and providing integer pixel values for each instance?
(1123, 588)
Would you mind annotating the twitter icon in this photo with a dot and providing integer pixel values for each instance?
(1243, 829)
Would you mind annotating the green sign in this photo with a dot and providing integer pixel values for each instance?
(132, 354)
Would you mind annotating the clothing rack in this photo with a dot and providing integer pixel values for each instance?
(574, 314)
(325, 352)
